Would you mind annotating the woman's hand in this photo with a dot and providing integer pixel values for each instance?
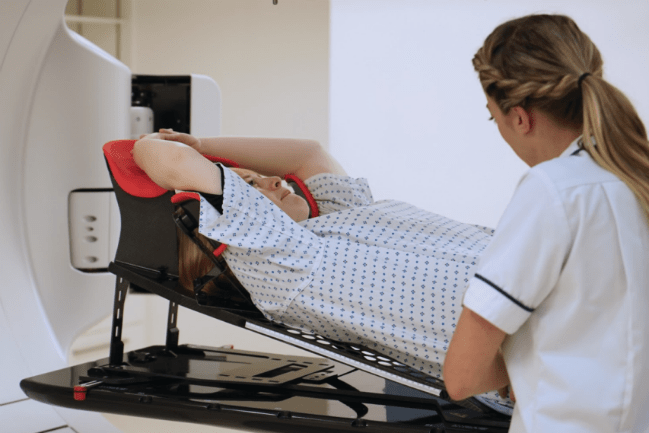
(152, 136)
(474, 362)
(189, 140)
(507, 391)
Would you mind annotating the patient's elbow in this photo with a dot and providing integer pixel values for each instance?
(160, 161)
(456, 387)
(139, 152)
(146, 155)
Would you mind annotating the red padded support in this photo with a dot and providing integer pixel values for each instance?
(309, 198)
(184, 196)
(220, 249)
(126, 172)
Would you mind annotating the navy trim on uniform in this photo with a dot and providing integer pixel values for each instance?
(576, 151)
(507, 295)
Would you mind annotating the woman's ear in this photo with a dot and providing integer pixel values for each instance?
(522, 120)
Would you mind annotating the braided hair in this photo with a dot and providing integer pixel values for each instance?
(545, 62)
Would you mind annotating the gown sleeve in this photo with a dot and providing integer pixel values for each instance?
(272, 256)
(334, 193)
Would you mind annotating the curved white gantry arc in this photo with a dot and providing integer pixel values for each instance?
(62, 99)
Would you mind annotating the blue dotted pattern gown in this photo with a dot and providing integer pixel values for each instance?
(384, 274)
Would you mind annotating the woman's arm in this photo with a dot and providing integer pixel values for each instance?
(474, 363)
(174, 165)
(268, 156)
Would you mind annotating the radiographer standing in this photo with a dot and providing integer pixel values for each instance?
(557, 311)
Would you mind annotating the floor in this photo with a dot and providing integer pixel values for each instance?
(129, 424)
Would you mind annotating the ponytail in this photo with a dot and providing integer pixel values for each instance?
(620, 139)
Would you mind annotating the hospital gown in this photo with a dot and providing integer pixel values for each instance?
(384, 274)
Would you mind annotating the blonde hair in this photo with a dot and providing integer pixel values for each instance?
(536, 62)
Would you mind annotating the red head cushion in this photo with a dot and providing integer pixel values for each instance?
(126, 172)
(131, 177)
(313, 206)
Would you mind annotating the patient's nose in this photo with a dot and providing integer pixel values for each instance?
(272, 183)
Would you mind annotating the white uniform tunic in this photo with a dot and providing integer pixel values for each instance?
(384, 274)
(567, 275)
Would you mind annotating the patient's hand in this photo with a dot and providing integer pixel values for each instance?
(153, 136)
(189, 140)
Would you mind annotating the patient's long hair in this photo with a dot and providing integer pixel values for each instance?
(536, 62)
(192, 262)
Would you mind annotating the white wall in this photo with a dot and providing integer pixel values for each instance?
(406, 107)
(271, 61)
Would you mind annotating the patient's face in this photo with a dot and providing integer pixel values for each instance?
(277, 191)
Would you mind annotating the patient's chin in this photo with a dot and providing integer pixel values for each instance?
(296, 207)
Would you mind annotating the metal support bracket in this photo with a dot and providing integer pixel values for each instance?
(116, 344)
(172, 330)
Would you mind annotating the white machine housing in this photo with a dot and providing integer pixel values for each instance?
(62, 99)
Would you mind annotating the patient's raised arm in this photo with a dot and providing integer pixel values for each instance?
(173, 165)
(268, 156)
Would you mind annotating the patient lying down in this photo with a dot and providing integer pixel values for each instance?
(383, 274)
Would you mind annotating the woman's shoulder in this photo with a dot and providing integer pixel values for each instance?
(335, 192)
(573, 171)
(336, 180)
